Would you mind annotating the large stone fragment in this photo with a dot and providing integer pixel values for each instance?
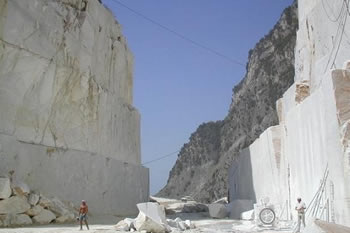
(172, 223)
(130, 222)
(153, 210)
(34, 211)
(45, 202)
(179, 224)
(59, 208)
(70, 217)
(5, 220)
(33, 199)
(217, 210)
(14, 205)
(20, 189)
(21, 220)
(145, 223)
(248, 215)
(45, 217)
(237, 207)
(151, 218)
(122, 226)
(10, 220)
(5, 188)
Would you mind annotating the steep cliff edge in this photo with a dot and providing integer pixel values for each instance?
(202, 164)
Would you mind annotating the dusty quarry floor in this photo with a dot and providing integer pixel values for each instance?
(202, 226)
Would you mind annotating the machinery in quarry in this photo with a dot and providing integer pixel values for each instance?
(265, 213)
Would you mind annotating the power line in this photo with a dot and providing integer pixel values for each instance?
(328, 16)
(342, 25)
(181, 36)
(343, 31)
(162, 157)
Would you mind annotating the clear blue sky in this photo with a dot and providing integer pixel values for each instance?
(178, 86)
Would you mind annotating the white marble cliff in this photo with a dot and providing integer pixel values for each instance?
(67, 124)
(313, 136)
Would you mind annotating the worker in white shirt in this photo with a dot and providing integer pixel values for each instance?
(300, 208)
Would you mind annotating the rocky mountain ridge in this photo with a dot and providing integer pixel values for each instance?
(201, 168)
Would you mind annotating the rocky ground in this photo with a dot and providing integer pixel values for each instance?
(21, 206)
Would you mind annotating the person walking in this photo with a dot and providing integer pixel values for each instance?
(83, 210)
(300, 208)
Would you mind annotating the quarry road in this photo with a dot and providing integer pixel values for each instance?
(203, 226)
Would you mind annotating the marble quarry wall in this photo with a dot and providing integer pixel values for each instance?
(67, 124)
(312, 139)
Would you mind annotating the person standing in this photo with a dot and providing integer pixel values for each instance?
(83, 210)
(300, 208)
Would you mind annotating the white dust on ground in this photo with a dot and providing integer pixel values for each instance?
(202, 226)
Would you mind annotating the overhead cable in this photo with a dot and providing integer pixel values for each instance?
(162, 157)
(179, 35)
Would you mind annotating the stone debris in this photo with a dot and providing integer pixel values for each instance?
(33, 199)
(144, 222)
(45, 217)
(14, 205)
(15, 220)
(179, 224)
(25, 207)
(58, 207)
(68, 217)
(217, 210)
(5, 188)
(21, 220)
(20, 188)
(151, 218)
(127, 224)
(122, 226)
(248, 215)
(223, 200)
(34, 211)
(45, 202)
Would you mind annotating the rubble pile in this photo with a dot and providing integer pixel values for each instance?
(152, 218)
(19, 206)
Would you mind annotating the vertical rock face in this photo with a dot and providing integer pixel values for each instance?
(66, 101)
(314, 116)
(201, 169)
